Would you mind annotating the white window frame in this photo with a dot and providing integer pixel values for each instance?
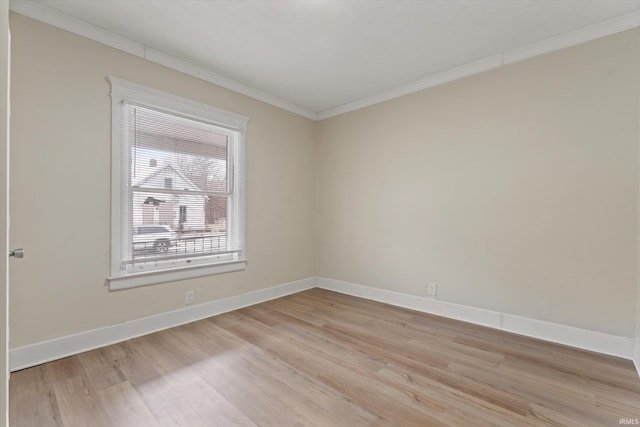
(123, 90)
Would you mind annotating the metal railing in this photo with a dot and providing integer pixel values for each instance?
(183, 247)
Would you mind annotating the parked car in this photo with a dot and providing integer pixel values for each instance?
(158, 238)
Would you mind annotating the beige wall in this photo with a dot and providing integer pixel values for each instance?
(515, 190)
(61, 187)
(4, 146)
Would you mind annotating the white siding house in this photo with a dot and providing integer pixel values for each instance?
(177, 210)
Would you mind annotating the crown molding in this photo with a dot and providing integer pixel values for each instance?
(202, 73)
(583, 35)
(76, 26)
(65, 22)
(466, 70)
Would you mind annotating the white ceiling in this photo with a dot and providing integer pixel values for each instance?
(322, 57)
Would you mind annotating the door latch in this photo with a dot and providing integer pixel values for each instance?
(17, 253)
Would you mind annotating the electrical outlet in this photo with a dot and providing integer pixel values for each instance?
(188, 297)
(432, 289)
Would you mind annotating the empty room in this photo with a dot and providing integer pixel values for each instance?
(320, 213)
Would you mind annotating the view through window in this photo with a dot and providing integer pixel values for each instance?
(181, 187)
(177, 199)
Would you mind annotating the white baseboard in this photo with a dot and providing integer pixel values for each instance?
(568, 335)
(35, 354)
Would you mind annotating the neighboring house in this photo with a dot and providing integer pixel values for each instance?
(178, 211)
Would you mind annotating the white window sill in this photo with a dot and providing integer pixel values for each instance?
(135, 280)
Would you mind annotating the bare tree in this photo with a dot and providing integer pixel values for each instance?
(209, 175)
(199, 170)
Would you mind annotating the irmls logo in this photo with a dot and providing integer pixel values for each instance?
(629, 421)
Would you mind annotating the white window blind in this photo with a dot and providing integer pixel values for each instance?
(180, 188)
(177, 187)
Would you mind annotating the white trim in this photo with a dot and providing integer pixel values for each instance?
(131, 91)
(202, 73)
(592, 32)
(76, 26)
(135, 280)
(568, 335)
(583, 35)
(35, 354)
(433, 80)
(124, 90)
(73, 25)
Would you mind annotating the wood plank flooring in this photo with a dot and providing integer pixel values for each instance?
(319, 358)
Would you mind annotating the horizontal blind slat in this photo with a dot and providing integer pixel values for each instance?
(138, 189)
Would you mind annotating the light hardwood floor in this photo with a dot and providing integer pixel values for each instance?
(320, 358)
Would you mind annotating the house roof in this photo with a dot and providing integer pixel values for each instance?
(190, 184)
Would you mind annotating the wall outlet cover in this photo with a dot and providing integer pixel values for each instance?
(432, 289)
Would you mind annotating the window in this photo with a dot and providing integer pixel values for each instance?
(170, 156)
(183, 215)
